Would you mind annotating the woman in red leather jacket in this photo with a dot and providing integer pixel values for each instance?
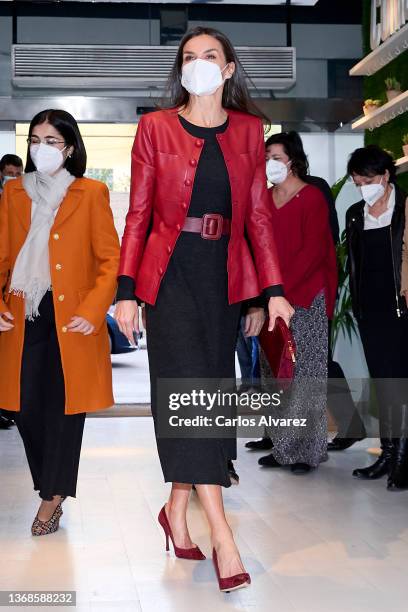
(198, 189)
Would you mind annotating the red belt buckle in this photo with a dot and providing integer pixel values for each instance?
(212, 226)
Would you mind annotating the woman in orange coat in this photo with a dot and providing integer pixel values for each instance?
(59, 256)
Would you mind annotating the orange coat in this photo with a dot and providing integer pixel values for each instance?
(84, 260)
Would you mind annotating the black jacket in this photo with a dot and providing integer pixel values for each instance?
(354, 233)
(324, 187)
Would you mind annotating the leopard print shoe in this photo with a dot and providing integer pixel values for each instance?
(40, 528)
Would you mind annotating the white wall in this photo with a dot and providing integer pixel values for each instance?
(7, 143)
(317, 149)
(328, 153)
(344, 145)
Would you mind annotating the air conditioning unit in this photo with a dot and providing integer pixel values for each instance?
(134, 67)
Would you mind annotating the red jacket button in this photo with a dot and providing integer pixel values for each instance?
(193, 162)
(160, 271)
(178, 227)
(187, 182)
(169, 249)
(199, 143)
(184, 206)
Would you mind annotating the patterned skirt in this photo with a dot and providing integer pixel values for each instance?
(306, 399)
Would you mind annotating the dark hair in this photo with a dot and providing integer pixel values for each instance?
(68, 128)
(235, 94)
(371, 160)
(10, 160)
(293, 147)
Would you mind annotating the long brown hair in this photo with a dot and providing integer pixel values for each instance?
(235, 94)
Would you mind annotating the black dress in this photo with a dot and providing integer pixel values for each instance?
(192, 330)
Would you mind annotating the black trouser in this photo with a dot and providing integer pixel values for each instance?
(340, 402)
(385, 343)
(52, 439)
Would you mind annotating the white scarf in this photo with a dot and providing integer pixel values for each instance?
(31, 277)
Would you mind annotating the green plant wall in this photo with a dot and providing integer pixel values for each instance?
(388, 136)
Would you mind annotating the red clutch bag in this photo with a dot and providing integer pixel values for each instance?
(280, 349)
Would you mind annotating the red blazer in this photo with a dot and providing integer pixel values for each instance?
(164, 163)
(306, 249)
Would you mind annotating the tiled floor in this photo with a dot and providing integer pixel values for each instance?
(317, 543)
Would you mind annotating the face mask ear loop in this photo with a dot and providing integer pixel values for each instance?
(226, 66)
(69, 154)
(381, 183)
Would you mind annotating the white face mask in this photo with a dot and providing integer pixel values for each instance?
(276, 171)
(201, 77)
(372, 193)
(6, 179)
(46, 158)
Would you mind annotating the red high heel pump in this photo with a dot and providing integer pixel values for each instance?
(232, 583)
(194, 553)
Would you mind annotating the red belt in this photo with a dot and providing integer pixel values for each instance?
(211, 226)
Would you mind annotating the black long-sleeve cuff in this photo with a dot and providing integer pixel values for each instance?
(273, 291)
(256, 302)
(261, 301)
(126, 289)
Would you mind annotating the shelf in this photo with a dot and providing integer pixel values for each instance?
(382, 55)
(402, 164)
(385, 113)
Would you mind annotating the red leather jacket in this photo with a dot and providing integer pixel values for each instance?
(164, 162)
